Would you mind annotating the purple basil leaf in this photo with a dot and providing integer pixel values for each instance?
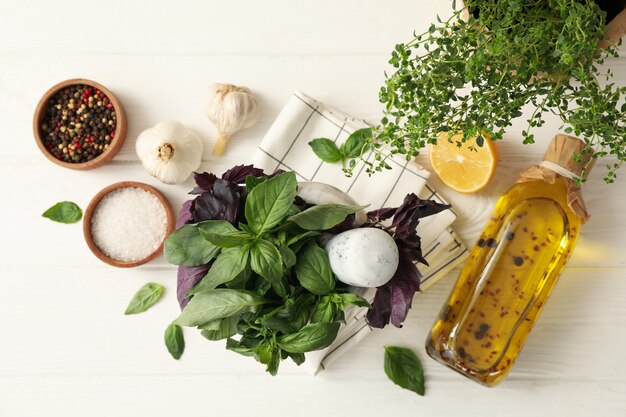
(378, 316)
(204, 182)
(381, 214)
(238, 173)
(221, 203)
(412, 209)
(186, 214)
(188, 277)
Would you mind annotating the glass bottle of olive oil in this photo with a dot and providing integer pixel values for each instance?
(512, 268)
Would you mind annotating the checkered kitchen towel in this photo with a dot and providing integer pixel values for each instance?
(286, 146)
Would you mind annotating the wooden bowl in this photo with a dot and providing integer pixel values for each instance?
(120, 128)
(94, 203)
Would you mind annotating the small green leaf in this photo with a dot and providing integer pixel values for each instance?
(313, 270)
(265, 260)
(252, 182)
(311, 337)
(350, 298)
(217, 304)
(145, 298)
(187, 247)
(227, 239)
(235, 346)
(268, 203)
(356, 143)
(64, 212)
(324, 311)
(175, 340)
(227, 266)
(287, 255)
(404, 368)
(221, 329)
(298, 358)
(326, 150)
(323, 216)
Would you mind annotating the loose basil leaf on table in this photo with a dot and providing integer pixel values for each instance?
(311, 337)
(227, 266)
(217, 304)
(186, 246)
(64, 212)
(326, 150)
(265, 260)
(313, 270)
(404, 368)
(323, 216)
(268, 203)
(357, 143)
(174, 340)
(145, 298)
(220, 329)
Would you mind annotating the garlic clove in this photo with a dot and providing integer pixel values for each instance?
(169, 151)
(230, 108)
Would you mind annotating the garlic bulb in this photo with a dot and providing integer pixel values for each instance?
(230, 108)
(169, 151)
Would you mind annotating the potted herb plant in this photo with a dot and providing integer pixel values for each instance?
(254, 269)
(474, 72)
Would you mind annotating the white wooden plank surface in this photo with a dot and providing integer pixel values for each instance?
(66, 349)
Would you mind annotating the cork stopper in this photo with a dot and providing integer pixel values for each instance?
(561, 151)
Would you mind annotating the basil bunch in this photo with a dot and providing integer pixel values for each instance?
(269, 283)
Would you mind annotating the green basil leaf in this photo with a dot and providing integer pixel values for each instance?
(221, 329)
(302, 236)
(350, 298)
(270, 356)
(268, 203)
(311, 337)
(292, 316)
(241, 280)
(297, 358)
(227, 266)
(404, 368)
(235, 346)
(174, 340)
(357, 143)
(323, 216)
(313, 270)
(64, 212)
(145, 298)
(228, 239)
(324, 311)
(252, 182)
(217, 304)
(265, 260)
(186, 246)
(288, 256)
(326, 150)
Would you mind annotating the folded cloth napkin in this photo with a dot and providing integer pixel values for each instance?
(286, 146)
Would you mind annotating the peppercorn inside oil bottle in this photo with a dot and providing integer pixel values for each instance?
(506, 281)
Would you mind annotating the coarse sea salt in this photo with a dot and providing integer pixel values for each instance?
(129, 224)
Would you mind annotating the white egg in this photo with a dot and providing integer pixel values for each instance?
(366, 257)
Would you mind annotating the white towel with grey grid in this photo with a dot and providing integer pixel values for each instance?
(286, 146)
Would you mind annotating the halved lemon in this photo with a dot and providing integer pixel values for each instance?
(466, 168)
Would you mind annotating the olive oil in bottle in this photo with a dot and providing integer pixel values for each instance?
(512, 268)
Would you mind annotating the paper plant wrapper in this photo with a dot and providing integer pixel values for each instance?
(561, 151)
(286, 146)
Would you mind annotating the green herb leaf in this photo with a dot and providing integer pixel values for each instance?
(145, 298)
(270, 356)
(217, 304)
(268, 203)
(298, 358)
(324, 311)
(186, 246)
(323, 216)
(288, 256)
(326, 150)
(292, 316)
(227, 266)
(266, 261)
(220, 329)
(311, 337)
(404, 368)
(64, 212)
(235, 346)
(313, 270)
(252, 182)
(350, 298)
(357, 143)
(174, 340)
(227, 239)
(302, 236)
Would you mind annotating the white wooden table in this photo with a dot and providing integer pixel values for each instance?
(66, 349)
